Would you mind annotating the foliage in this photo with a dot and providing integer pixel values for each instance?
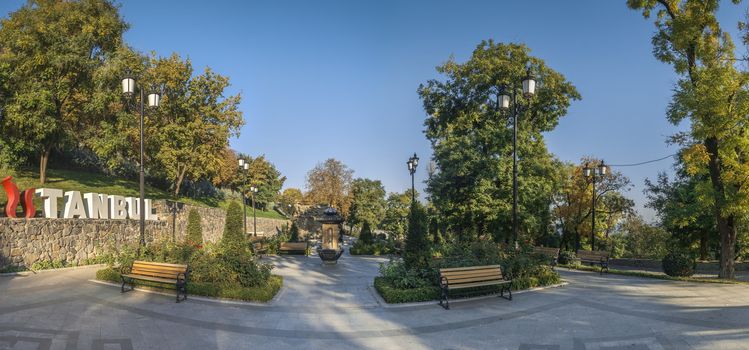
(367, 202)
(294, 233)
(392, 294)
(290, 199)
(379, 247)
(712, 94)
(572, 208)
(566, 257)
(680, 212)
(472, 141)
(234, 235)
(643, 241)
(397, 207)
(365, 236)
(49, 58)
(263, 175)
(330, 183)
(194, 228)
(416, 251)
(678, 263)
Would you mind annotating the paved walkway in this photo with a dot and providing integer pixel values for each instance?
(333, 307)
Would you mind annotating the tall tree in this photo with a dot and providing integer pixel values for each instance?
(471, 186)
(712, 94)
(291, 198)
(573, 203)
(330, 183)
(367, 202)
(416, 251)
(395, 220)
(49, 52)
(263, 175)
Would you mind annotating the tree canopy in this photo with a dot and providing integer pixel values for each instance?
(330, 183)
(367, 202)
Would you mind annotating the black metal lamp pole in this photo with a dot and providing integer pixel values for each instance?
(593, 172)
(503, 102)
(243, 165)
(254, 190)
(154, 99)
(412, 163)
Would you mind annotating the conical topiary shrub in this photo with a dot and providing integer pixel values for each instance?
(234, 234)
(294, 233)
(194, 229)
(366, 233)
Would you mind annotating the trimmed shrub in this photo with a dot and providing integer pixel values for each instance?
(194, 228)
(375, 248)
(416, 252)
(294, 233)
(366, 234)
(678, 263)
(392, 294)
(567, 257)
(234, 234)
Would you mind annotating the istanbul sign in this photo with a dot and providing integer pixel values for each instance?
(86, 206)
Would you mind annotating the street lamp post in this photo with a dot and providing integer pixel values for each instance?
(412, 163)
(253, 190)
(244, 166)
(592, 172)
(507, 94)
(154, 99)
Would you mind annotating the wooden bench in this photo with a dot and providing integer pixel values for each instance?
(259, 248)
(551, 254)
(472, 277)
(594, 258)
(293, 247)
(163, 273)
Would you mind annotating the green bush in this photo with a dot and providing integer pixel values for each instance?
(567, 257)
(365, 236)
(400, 276)
(392, 294)
(678, 263)
(294, 233)
(378, 247)
(194, 228)
(234, 235)
(416, 252)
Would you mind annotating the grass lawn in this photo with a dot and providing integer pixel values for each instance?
(68, 180)
(258, 294)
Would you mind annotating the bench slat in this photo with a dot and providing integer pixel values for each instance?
(469, 268)
(470, 275)
(474, 279)
(152, 279)
(476, 284)
(159, 264)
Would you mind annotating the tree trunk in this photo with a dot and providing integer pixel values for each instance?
(726, 226)
(703, 245)
(178, 183)
(43, 160)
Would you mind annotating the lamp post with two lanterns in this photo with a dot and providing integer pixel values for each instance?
(508, 95)
(243, 165)
(591, 172)
(253, 190)
(154, 99)
(412, 163)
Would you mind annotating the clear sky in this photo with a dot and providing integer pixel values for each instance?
(338, 79)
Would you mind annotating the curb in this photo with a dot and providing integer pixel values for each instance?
(34, 272)
(224, 301)
(385, 305)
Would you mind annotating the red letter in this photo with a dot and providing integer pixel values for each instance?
(13, 197)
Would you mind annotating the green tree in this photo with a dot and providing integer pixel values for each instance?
(263, 175)
(365, 236)
(330, 183)
(194, 228)
(49, 53)
(713, 95)
(397, 208)
(416, 252)
(471, 187)
(294, 233)
(290, 199)
(367, 202)
(234, 235)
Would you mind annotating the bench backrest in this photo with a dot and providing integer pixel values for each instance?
(547, 251)
(462, 275)
(592, 255)
(294, 245)
(153, 269)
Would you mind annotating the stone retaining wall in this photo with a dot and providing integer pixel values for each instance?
(24, 242)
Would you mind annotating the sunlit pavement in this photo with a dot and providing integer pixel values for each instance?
(334, 307)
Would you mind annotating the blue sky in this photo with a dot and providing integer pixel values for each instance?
(338, 79)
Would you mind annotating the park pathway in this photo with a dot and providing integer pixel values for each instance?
(332, 307)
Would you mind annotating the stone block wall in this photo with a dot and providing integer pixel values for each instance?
(24, 242)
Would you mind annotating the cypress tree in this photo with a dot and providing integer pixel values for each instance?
(294, 233)
(366, 233)
(194, 229)
(234, 234)
(415, 254)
